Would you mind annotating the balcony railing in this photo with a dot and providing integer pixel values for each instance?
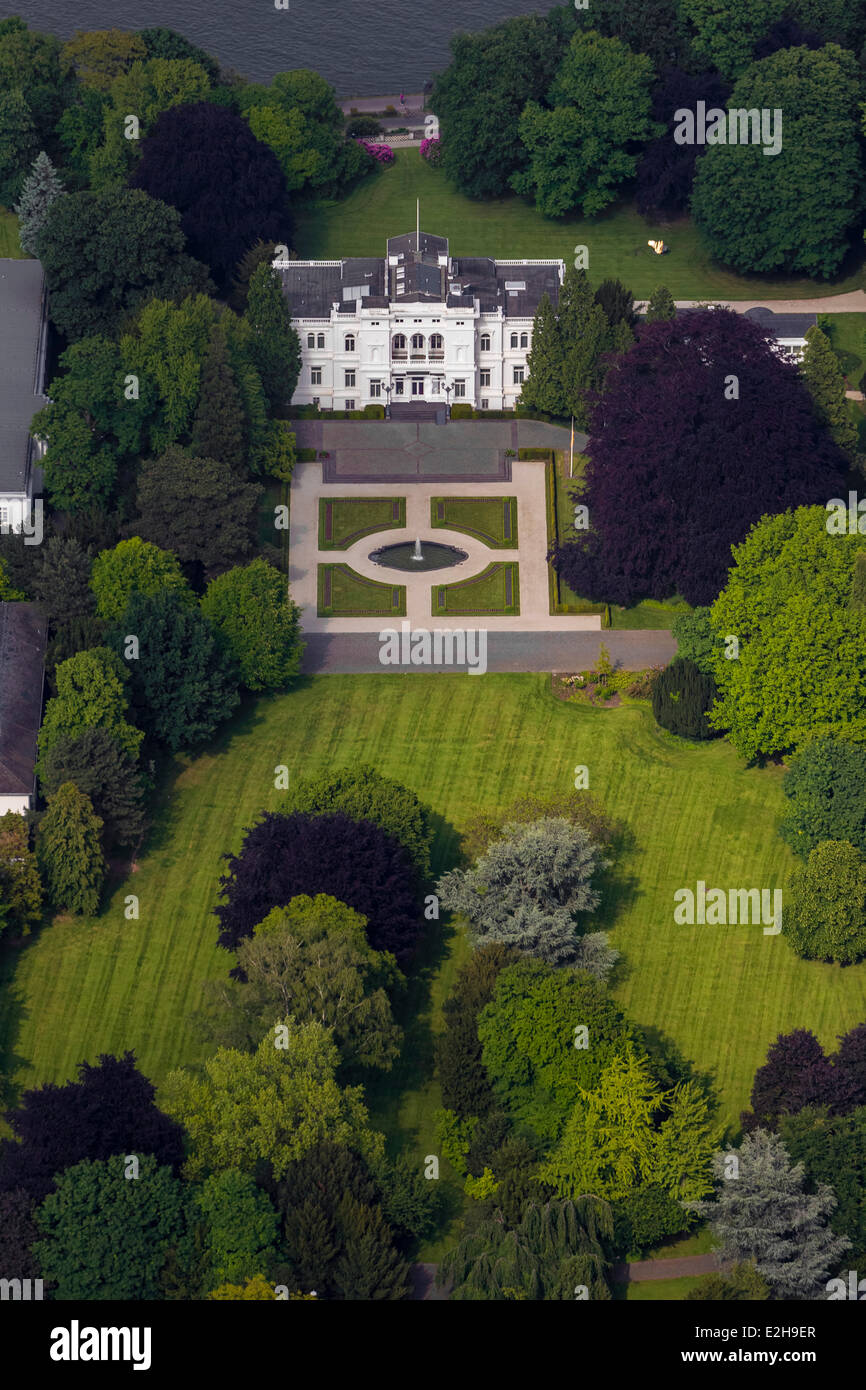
(399, 354)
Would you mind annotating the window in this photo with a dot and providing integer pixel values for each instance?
(320, 341)
(4, 517)
(514, 340)
(348, 378)
(311, 340)
(398, 342)
(375, 389)
(349, 344)
(484, 405)
(524, 340)
(459, 389)
(485, 378)
(436, 386)
(348, 405)
(398, 386)
(417, 342)
(518, 375)
(436, 342)
(315, 376)
(485, 342)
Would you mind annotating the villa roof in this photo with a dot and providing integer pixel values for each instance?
(22, 657)
(21, 368)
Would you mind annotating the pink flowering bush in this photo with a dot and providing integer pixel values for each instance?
(383, 153)
(431, 150)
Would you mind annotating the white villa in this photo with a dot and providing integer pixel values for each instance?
(416, 326)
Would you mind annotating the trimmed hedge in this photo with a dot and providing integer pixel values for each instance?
(492, 520)
(351, 518)
(313, 412)
(494, 592)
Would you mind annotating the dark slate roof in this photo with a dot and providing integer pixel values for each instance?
(431, 246)
(311, 289)
(538, 279)
(783, 325)
(22, 355)
(22, 659)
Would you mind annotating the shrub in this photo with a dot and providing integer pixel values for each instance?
(645, 1218)
(462, 411)
(825, 906)
(383, 154)
(431, 150)
(363, 126)
(681, 697)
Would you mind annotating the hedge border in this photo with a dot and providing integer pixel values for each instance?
(511, 610)
(398, 524)
(488, 540)
(326, 609)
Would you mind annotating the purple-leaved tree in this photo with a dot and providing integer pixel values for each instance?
(702, 429)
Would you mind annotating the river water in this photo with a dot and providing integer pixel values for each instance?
(362, 47)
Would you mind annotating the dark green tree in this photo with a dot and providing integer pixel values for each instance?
(581, 147)
(824, 795)
(822, 372)
(241, 1227)
(19, 143)
(251, 609)
(585, 334)
(661, 305)
(62, 582)
(261, 254)
(218, 427)
(555, 1248)
(105, 772)
(682, 695)
(183, 684)
(368, 1267)
(362, 793)
(791, 212)
(176, 490)
(106, 254)
(106, 1235)
(833, 1151)
(543, 387)
(481, 94)
(858, 583)
(466, 1088)
(274, 348)
(69, 852)
(824, 916)
(617, 301)
(696, 638)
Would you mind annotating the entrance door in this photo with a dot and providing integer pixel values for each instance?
(417, 386)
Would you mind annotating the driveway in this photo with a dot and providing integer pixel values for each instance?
(358, 653)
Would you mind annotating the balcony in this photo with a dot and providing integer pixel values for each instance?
(399, 354)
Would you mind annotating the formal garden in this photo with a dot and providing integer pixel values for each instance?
(491, 973)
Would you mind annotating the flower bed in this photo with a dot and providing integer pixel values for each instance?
(382, 153)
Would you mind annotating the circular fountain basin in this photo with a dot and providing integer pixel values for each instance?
(434, 556)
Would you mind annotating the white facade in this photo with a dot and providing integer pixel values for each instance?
(428, 350)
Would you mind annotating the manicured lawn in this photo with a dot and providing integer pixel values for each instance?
(719, 994)
(495, 591)
(343, 592)
(384, 205)
(344, 520)
(492, 520)
(9, 243)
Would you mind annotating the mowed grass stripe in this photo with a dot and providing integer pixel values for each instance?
(721, 994)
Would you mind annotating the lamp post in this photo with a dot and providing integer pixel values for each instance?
(447, 403)
(387, 402)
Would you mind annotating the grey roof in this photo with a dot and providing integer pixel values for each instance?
(432, 247)
(22, 355)
(22, 659)
(311, 289)
(783, 325)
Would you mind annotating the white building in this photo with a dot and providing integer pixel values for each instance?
(416, 327)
